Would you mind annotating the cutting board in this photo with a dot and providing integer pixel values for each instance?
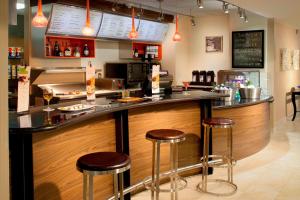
(130, 99)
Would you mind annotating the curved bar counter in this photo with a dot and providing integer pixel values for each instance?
(45, 146)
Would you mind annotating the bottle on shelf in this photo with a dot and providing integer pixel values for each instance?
(9, 71)
(68, 51)
(86, 51)
(56, 49)
(77, 52)
(14, 72)
(61, 50)
(48, 49)
(135, 53)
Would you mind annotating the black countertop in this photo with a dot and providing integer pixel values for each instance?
(37, 120)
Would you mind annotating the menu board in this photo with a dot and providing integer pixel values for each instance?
(115, 26)
(152, 31)
(248, 49)
(70, 20)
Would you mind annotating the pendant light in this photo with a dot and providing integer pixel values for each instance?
(39, 19)
(133, 34)
(176, 36)
(88, 30)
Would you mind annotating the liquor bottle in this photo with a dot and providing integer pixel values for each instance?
(61, 50)
(77, 52)
(68, 51)
(135, 53)
(86, 51)
(14, 72)
(48, 49)
(56, 49)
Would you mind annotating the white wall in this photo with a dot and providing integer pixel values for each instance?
(181, 58)
(284, 37)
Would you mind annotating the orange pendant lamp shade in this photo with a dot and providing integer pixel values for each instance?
(88, 30)
(176, 36)
(39, 19)
(133, 33)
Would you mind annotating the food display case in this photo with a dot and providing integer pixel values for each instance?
(232, 77)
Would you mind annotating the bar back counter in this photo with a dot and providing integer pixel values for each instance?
(44, 146)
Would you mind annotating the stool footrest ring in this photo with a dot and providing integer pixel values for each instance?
(232, 185)
(220, 161)
(181, 182)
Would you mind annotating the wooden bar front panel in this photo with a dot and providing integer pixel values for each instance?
(181, 116)
(251, 132)
(55, 155)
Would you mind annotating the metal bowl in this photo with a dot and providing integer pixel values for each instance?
(230, 92)
(250, 93)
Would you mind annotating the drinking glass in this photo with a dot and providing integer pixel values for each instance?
(186, 84)
(48, 95)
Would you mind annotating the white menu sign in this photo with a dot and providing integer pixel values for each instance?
(90, 82)
(70, 20)
(152, 31)
(23, 88)
(116, 26)
(155, 79)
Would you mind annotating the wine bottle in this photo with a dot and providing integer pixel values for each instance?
(86, 51)
(56, 49)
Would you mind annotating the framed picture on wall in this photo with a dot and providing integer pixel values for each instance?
(214, 44)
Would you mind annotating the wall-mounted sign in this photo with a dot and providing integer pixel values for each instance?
(23, 88)
(90, 82)
(152, 31)
(248, 49)
(70, 20)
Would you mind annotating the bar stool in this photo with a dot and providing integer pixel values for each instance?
(221, 161)
(100, 163)
(173, 137)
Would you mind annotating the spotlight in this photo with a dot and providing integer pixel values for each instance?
(241, 13)
(246, 18)
(193, 21)
(226, 7)
(200, 3)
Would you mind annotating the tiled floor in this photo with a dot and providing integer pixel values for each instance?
(271, 174)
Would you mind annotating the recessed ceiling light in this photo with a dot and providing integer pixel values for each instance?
(20, 6)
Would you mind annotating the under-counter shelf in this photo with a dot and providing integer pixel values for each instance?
(68, 42)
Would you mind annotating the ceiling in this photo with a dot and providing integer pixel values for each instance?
(286, 11)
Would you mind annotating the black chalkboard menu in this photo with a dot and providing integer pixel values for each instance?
(248, 49)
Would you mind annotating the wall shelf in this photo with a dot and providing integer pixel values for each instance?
(72, 42)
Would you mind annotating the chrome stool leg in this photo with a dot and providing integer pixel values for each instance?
(153, 170)
(157, 170)
(121, 183)
(116, 186)
(91, 187)
(84, 195)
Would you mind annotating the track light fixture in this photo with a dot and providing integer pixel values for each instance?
(241, 13)
(226, 7)
(246, 18)
(193, 21)
(200, 3)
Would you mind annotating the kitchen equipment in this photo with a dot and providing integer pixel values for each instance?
(202, 77)
(66, 84)
(133, 74)
(210, 77)
(250, 93)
